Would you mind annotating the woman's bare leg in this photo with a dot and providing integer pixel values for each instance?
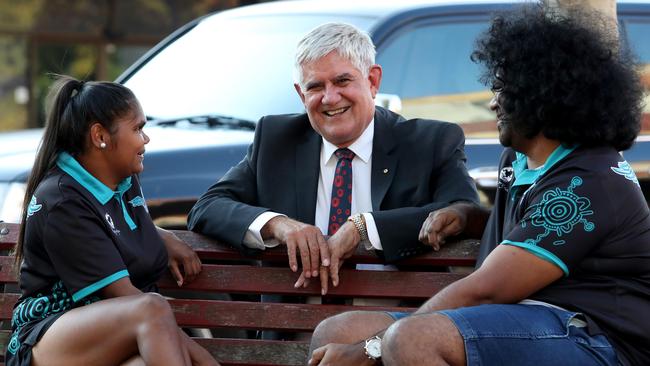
(113, 331)
(134, 361)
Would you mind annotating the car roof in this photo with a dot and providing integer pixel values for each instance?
(372, 8)
(376, 8)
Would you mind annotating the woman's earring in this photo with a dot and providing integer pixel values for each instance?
(102, 145)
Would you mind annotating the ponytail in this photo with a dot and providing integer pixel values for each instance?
(72, 106)
(58, 99)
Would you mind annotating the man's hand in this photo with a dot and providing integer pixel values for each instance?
(180, 255)
(440, 224)
(341, 246)
(307, 239)
(340, 355)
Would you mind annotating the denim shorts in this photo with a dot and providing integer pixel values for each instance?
(525, 335)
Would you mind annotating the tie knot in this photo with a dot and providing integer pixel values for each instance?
(344, 153)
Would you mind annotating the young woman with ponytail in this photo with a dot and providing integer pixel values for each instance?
(89, 254)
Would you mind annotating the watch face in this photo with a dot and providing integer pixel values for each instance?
(373, 348)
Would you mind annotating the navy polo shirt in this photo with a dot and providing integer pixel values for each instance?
(81, 236)
(583, 211)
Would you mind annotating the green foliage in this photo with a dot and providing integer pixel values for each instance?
(68, 37)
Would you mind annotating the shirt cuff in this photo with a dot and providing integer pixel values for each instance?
(253, 238)
(373, 235)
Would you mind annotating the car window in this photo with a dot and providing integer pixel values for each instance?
(637, 37)
(240, 67)
(429, 68)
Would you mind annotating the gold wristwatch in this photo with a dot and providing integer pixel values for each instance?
(360, 223)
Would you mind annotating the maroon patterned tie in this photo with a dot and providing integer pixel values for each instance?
(341, 202)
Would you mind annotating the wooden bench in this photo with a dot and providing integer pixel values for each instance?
(226, 271)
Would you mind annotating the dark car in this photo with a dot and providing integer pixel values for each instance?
(204, 87)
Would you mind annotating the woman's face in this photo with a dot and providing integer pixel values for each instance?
(127, 153)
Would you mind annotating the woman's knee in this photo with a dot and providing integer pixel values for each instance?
(152, 307)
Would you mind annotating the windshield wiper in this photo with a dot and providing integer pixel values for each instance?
(212, 120)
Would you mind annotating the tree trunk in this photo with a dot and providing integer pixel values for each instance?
(605, 7)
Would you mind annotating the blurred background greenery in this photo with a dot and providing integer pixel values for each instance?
(88, 39)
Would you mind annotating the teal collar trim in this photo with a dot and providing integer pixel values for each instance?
(525, 176)
(98, 189)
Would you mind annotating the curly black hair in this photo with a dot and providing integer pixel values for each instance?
(562, 77)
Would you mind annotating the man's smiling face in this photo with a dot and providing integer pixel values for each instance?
(338, 98)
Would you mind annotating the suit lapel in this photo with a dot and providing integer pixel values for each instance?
(384, 159)
(307, 171)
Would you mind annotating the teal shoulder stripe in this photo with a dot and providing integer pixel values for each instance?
(525, 176)
(71, 166)
(99, 285)
(102, 193)
(541, 253)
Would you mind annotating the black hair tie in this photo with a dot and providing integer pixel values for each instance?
(78, 88)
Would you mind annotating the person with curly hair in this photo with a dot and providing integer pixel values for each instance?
(565, 255)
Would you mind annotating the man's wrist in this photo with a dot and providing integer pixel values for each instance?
(359, 222)
(268, 230)
(372, 348)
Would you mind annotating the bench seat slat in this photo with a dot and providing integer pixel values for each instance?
(239, 352)
(238, 314)
(236, 352)
(461, 253)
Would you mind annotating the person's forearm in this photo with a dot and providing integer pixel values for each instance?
(464, 292)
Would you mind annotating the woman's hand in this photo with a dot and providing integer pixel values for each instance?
(180, 255)
(198, 355)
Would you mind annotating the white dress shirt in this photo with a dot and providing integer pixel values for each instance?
(361, 192)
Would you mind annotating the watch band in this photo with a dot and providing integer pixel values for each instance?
(360, 223)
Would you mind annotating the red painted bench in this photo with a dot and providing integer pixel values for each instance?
(226, 271)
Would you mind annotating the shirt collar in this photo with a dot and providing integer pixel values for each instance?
(525, 176)
(361, 147)
(98, 189)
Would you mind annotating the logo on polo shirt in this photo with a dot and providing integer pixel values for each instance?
(109, 219)
(137, 202)
(626, 171)
(505, 177)
(560, 211)
(33, 207)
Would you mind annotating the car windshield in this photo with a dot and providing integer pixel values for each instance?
(235, 67)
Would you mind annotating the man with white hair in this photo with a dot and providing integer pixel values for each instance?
(346, 170)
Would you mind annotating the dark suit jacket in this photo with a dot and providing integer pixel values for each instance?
(425, 165)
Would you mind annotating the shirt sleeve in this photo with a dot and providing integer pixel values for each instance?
(564, 219)
(81, 249)
(374, 241)
(253, 238)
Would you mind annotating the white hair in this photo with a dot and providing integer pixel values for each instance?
(348, 41)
